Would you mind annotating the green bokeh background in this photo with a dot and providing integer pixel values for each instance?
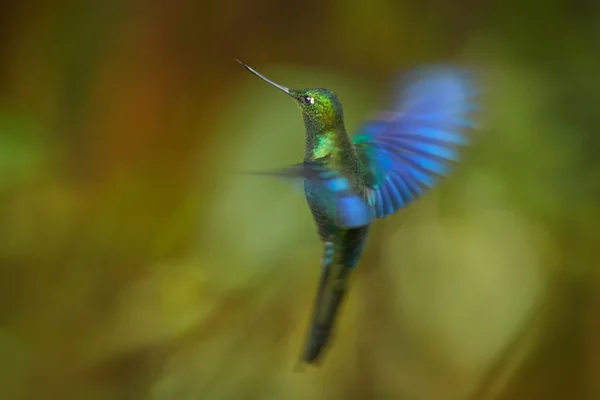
(135, 265)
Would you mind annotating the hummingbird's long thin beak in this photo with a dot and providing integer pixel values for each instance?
(264, 78)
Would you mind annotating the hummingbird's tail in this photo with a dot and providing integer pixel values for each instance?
(334, 277)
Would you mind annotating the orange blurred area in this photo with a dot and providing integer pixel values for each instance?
(136, 264)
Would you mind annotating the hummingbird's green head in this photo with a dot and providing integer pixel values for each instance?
(321, 108)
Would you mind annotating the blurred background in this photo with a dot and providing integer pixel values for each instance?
(135, 265)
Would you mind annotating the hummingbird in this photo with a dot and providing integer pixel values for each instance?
(393, 159)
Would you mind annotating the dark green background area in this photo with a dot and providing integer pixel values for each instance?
(134, 264)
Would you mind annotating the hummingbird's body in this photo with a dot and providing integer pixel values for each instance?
(331, 146)
(349, 182)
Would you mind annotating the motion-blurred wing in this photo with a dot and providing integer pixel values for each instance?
(349, 209)
(408, 149)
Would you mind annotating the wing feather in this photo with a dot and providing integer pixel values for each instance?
(407, 150)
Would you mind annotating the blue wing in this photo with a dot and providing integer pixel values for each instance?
(407, 150)
(349, 209)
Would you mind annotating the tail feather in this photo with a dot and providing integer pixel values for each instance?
(325, 313)
(332, 288)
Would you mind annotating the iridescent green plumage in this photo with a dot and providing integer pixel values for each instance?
(348, 182)
(328, 143)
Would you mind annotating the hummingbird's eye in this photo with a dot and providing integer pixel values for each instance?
(308, 100)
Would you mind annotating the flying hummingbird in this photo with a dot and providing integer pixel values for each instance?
(392, 160)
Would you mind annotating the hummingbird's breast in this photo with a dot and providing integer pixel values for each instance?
(344, 160)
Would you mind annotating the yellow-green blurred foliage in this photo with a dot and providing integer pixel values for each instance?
(136, 265)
